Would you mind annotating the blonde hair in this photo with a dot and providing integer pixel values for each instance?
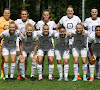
(12, 22)
(29, 25)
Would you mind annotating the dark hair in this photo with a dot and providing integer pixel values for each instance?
(62, 27)
(49, 14)
(70, 6)
(6, 9)
(97, 26)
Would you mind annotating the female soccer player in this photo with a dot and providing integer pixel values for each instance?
(4, 25)
(79, 47)
(9, 46)
(21, 26)
(45, 46)
(28, 46)
(94, 48)
(90, 24)
(69, 22)
(46, 18)
(62, 50)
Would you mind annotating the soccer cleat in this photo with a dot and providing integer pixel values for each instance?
(84, 79)
(98, 78)
(75, 79)
(91, 79)
(11, 79)
(25, 77)
(50, 79)
(60, 79)
(63, 76)
(18, 77)
(66, 79)
(6, 79)
(40, 78)
(32, 78)
(22, 79)
(2, 77)
(79, 78)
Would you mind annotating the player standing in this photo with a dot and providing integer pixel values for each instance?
(45, 46)
(28, 46)
(4, 25)
(79, 47)
(21, 26)
(69, 22)
(94, 48)
(90, 24)
(9, 46)
(62, 51)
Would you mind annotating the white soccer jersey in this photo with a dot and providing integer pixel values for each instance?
(21, 24)
(61, 43)
(95, 42)
(40, 24)
(69, 23)
(9, 40)
(79, 40)
(91, 24)
(28, 42)
(45, 42)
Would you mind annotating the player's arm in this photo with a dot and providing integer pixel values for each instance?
(20, 46)
(90, 49)
(57, 26)
(35, 49)
(0, 45)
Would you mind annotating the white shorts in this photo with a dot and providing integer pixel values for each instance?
(41, 52)
(76, 52)
(59, 54)
(17, 44)
(96, 54)
(25, 53)
(6, 51)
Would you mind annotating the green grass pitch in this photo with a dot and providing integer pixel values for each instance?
(45, 84)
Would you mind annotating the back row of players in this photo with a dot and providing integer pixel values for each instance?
(47, 30)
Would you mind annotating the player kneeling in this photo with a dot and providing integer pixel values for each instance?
(9, 46)
(62, 50)
(79, 47)
(28, 46)
(45, 46)
(94, 48)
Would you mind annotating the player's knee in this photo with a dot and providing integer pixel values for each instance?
(51, 62)
(33, 60)
(58, 61)
(12, 61)
(75, 62)
(17, 53)
(65, 62)
(22, 61)
(6, 61)
(39, 62)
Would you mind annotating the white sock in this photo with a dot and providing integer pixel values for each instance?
(66, 69)
(91, 67)
(97, 68)
(59, 67)
(12, 70)
(22, 69)
(39, 68)
(33, 69)
(75, 69)
(51, 68)
(17, 63)
(6, 68)
(84, 68)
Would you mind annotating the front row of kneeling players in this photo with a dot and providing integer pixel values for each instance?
(29, 43)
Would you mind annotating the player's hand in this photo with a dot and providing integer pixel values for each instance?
(68, 33)
(22, 58)
(92, 60)
(0, 49)
(34, 57)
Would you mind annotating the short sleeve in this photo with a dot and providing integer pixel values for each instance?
(85, 23)
(61, 21)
